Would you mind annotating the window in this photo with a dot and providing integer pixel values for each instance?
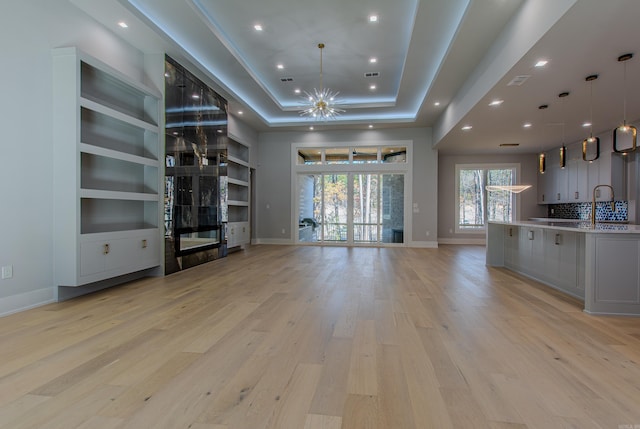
(475, 204)
(354, 155)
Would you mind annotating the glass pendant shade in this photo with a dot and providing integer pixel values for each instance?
(624, 136)
(590, 149)
(591, 145)
(624, 139)
(563, 157)
(542, 164)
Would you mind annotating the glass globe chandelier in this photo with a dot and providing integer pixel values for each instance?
(322, 103)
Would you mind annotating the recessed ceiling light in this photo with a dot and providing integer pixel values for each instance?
(175, 133)
(372, 87)
(373, 18)
(240, 112)
(258, 27)
(311, 128)
(297, 90)
(220, 131)
(373, 60)
(527, 125)
(542, 63)
(370, 126)
(496, 102)
(437, 103)
(586, 124)
(280, 66)
(123, 24)
(195, 96)
(466, 128)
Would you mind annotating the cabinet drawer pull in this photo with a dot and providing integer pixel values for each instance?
(557, 239)
(510, 232)
(576, 195)
(144, 244)
(106, 249)
(530, 235)
(558, 197)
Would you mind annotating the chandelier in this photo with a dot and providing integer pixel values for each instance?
(322, 103)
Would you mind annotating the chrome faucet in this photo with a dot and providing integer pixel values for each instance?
(593, 203)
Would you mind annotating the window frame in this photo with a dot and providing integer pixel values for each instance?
(515, 201)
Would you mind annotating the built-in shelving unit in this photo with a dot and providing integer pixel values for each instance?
(238, 171)
(107, 171)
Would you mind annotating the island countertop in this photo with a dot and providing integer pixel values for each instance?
(578, 226)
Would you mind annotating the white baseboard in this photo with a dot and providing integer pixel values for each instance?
(423, 244)
(279, 241)
(284, 241)
(24, 301)
(478, 241)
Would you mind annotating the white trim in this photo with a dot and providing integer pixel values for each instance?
(474, 241)
(25, 301)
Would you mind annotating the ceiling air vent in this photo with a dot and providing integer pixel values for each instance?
(509, 144)
(519, 80)
(372, 74)
(286, 79)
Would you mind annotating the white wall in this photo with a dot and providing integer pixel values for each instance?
(273, 179)
(447, 190)
(29, 30)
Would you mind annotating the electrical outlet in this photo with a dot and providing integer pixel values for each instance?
(7, 272)
(283, 230)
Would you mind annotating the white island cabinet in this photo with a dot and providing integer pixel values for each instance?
(597, 265)
(107, 171)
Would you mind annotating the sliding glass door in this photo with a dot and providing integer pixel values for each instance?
(351, 208)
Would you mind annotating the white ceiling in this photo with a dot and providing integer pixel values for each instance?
(461, 53)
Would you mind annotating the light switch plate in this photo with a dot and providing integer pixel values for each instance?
(7, 272)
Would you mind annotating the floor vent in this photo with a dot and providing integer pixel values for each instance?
(372, 74)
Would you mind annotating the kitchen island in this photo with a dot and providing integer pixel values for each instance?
(599, 265)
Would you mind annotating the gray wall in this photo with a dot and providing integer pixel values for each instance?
(30, 29)
(447, 189)
(273, 178)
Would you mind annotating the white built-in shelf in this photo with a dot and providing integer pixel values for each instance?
(238, 171)
(107, 173)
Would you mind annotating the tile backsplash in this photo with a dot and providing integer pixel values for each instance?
(582, 211)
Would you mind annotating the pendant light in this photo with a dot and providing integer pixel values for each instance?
(542, 161)
(322, 103)
(624, 132)
(563, 149)
(591, 141)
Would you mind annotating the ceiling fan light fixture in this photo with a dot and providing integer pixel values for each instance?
(321, 104)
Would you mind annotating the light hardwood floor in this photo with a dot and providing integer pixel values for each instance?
(322, 338)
